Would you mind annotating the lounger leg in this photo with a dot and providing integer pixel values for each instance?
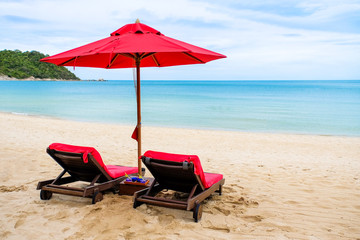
(97, 197)
(197, 211)
(137, 195)
(45, 195)
(136, 203)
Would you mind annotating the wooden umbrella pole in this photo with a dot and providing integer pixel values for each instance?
(138, 100)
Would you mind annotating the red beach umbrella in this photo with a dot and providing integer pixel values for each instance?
(134, 45)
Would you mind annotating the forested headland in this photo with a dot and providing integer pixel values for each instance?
(22, 65)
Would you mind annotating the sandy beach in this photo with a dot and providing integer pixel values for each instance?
(278, 186)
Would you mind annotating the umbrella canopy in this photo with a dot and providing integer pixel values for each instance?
(134, 46)
(134, 41)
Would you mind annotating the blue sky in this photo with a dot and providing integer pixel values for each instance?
(265, 39)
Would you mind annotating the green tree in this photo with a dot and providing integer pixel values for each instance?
(22, 65)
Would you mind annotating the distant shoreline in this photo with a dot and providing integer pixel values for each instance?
(6, 78)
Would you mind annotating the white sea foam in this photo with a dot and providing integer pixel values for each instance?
(20, 113)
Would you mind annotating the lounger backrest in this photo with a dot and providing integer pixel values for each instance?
(82, 166)
(171, 172)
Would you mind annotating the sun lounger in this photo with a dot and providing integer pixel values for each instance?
(181, 173)
(82, 164)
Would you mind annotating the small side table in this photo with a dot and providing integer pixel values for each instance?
(128, 189)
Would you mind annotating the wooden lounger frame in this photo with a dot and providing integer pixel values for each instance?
(74, 165)
(177, 176)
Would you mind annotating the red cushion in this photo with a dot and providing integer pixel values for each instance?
(207, 179)
(113, 170)
(212, 178)
(119, 171)
(78, 149)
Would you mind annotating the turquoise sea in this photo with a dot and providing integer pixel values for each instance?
(304, 107)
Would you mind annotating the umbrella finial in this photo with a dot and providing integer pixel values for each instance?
(137, 20)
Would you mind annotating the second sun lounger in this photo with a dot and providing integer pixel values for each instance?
(182, 173)
(82, 164)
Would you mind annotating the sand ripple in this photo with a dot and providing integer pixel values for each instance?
(13, 188)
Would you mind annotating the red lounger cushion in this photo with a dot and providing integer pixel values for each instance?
(113, 170)
(207, 179)
(118, 171)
